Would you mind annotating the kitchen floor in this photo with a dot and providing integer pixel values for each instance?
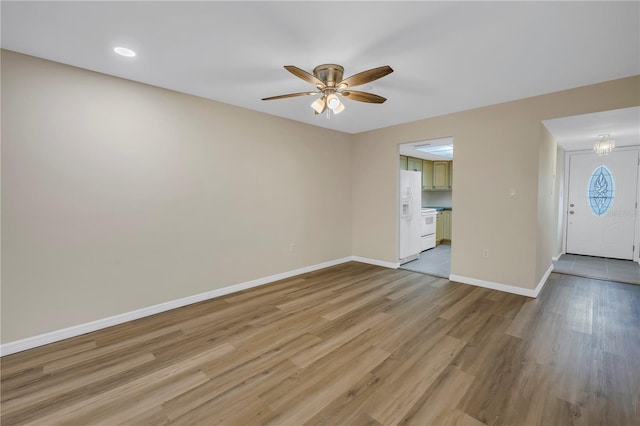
(435, 261)
(622, 271)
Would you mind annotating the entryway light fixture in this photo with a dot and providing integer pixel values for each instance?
(604, 145)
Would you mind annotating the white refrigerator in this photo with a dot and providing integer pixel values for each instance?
(410, 215)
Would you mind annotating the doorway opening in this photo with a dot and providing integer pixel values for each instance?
(602, 216)
(432, 161)
(600, 225)
(602, 196)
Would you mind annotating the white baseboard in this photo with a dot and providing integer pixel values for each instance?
(543, 281)
(504, 287)
(556, 258)
(77, 330)
(375, 262)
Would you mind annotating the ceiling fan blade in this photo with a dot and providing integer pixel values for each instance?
(289, 95)
(366, 76)
(300, 73)
(362, 96)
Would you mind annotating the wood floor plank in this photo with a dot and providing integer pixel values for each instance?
(410, 284)
(531, 388)
(319, 397)
(120, 410)
(208, 405)
(458, 418)
(288, 392)
(441, 399)
(352, 344)
(49, 390)
(395, 400)
(14, 364)
(486, 398)
(481, 349)
(265, 365)
(348, 408)
(524, 319)
(304, 358)
(466, 303)
(98, 352)
(149, 381)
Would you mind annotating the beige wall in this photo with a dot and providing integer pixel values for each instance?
(496, 148)
(118, 195)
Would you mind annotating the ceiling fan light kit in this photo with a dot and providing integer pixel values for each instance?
(329, 82)
(318, 105)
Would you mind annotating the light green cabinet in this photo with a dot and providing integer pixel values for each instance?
(436, 175)
(443, 226)
(403, 163)
(441, 180)
(447, 225)
(414, 164)
(427, 175)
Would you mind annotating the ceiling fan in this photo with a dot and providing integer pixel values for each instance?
(328, 81)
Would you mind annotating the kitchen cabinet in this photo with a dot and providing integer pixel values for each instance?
(447, 225)
(441, 180)
(436, 175)
(427, 175)
(403, 163)
(443, 226)
(414, 164)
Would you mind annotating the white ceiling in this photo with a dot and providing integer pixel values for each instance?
(580, 132)
(447, 56)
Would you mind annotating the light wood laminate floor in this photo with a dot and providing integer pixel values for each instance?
(353, 344)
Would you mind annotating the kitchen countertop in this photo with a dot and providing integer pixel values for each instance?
(437, 208)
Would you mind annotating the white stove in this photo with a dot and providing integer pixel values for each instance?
(428, 229)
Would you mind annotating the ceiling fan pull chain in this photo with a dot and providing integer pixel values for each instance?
(328, 114)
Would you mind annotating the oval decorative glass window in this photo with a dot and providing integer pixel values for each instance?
(601, 190)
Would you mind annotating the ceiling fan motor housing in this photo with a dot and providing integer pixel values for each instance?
(330, 74)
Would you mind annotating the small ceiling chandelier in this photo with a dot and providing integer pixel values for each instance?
(604, 145)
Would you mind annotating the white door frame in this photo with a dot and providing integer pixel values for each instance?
(565, 207)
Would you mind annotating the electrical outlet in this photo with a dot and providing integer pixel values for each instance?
(292, 248)
(485, 252)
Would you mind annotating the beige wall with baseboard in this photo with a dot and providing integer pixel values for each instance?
(118, 195)
(496, 148)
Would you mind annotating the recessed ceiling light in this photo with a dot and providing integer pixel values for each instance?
(123, 51)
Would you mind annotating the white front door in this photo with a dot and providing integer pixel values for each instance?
(602, 213)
